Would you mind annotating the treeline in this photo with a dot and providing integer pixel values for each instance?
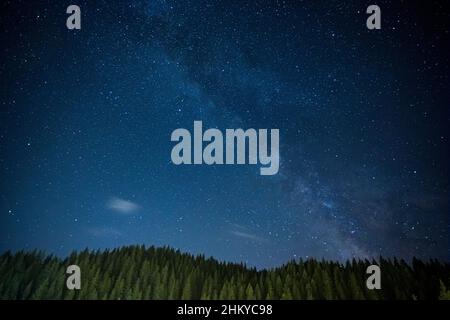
(138, 272)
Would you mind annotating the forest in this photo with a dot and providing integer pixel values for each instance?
(139, 272)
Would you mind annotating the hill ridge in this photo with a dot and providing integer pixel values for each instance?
(140, 272)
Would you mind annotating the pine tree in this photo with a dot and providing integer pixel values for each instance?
(287, 294)
(355, 288)
(27, 291)
(444, 292)
(41, 291)
(328, 290)
(187, 290)
(250, 293)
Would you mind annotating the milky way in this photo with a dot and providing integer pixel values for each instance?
(86, 118)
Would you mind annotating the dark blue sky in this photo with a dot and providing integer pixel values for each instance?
(86, 118)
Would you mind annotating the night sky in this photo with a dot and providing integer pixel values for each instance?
(86, 118)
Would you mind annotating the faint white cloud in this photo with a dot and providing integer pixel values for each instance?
(247, 235)
(122, 206)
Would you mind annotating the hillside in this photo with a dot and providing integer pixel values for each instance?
(137, 272)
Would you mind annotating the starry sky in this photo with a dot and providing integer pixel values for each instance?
(86, 117)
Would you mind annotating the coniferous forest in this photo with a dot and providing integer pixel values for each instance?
(138, 272)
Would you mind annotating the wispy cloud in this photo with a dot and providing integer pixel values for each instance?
(245, 235)
(242, 232)
(122, 206)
